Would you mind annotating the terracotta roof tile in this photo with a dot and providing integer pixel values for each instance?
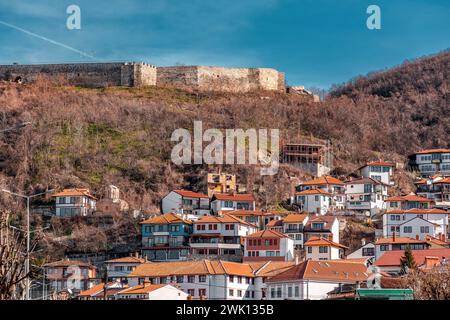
(267, 234)
(433, 151)
(142, 288)
(190, 194)
(235, 197)
(320, 241)
(409, 197)
(324, 180)
(392, 258)
(295, 218)
(166, 219)
(76, 192)
(399, 240)
(313, 192)
(126, 260)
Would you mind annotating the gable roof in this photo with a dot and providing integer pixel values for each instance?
(433, 151)
(142, 288)
(417, 211)
(378, 164)
(365, 180)
(392, 258)
(190, 194)
(226, 218)
(323, 180)
(167, 218)
(275, 223)
(320, 241)
(202, 267)
(341, 271)
(409, 197)
(295, 218)
(126, 260)
(398, 240)
(75, 192)
(233, 197)
(268, 234)
(69, 263)
(328, 221)
(313, 192)
(251, 213)
(270, 268)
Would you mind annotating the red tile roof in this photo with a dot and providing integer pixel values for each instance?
(250, 213)
(68, 263)
(166, 219)
(417, 211)
(398, 240)
(409, 197)
(76, 192)
(142, 288)
(313, 192)
(341, 271)
(320, 241)
(267, 234)
(234, 197)
(433, 151)
(295, 218)
(392, 258)
(190, 194)
(275, 223)
(126, 260)
(324, 180)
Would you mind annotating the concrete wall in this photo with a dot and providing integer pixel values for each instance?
(84, 74)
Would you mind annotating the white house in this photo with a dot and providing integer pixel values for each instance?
(383, 245)
(118, 269)
(416, 223)
(378, 170)
(436, 188)
(185, 202)
(313, 280)
(268, 245)
(148, 291)
(365, 195)
(228, 202)
(431, 162)
(74, 202)
(328, 184)
(314, 201)
(219, 236)
(326, 227)
(367, 250)
(292, 225)
(318, 248)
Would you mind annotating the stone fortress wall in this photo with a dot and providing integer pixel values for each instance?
(134, 74)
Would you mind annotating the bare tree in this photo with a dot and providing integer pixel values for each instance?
(12, 262)
(430, 285)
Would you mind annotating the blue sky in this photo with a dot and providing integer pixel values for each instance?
(316, 42)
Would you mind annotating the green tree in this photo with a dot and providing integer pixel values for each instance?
(407, 262)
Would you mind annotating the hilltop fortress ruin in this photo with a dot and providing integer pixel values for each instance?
(133, 74)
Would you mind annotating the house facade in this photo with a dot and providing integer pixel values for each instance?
(74, 202)
(313, 280)
(393, 243)
(219, 237)
(221, 183)
(431, 162)
(268, 245)
(365, 196)
(293, 225)
(184, 202)
(314, 201)
(318, 248)
(231, 202)
(255, 217)
(378, 170)
(326, 227)
(437, 189)
(166, 237)
(69, 274)
(148, 291)
(118, 269)
(329, 184)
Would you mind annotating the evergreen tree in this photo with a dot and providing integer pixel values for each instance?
(407, 262)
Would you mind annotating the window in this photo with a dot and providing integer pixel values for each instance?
(289, 292)
(309, 249)
(191, 279)
(175, 228)
(228, 204)
(424, 229)
(272, 292)
(231, 292)
(231, 278)
(407, 229)
(191, 292)
(368, 252)
(239, 279)
(202, 278)
(316, 198)
(297, 291)
(180, 279)
(202, 292)
(384, 247)
(323, 249)
(316, 225)
(279, 292)
(239, 293)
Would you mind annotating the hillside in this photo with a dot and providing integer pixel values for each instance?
(121, 136)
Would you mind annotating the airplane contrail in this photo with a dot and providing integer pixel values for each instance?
(47, 39)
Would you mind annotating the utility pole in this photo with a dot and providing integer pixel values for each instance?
(27, 232)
